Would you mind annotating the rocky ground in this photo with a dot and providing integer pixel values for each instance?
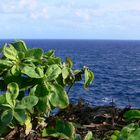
(102, 121)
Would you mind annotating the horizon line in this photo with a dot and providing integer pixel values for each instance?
(68, 39)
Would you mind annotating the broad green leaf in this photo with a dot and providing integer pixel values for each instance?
(69, 61)
(127, 130)
(20, 46)
(33, 72)
(43, 104)
(89, 136)
(49, 132)
(77, 137)
(53, 72)
(53, 60)
(60, 80)
(10, 52)
(116, 133)
(53, 133)
(39, 71)
(5, 63)
(7, 116)
(35, 53)
(114, 137)
(50, 53)
(2, 99)
(65, 72)
(62, 129)
(23, 81)
(89, 76)
(32, 90)
(20, 115)
(10, 100)
(135, 135)
(28, 62)
(15, 70)
(13, 89)
(41, 90)
(58, 96)
(20, 106)
(29, 101)
(21, 55)
(132, 114)
(7, 106)
(67, 128)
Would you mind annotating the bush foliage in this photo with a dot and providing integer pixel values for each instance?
(32, 83)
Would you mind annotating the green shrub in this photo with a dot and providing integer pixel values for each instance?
(33, 83)
(130, 131)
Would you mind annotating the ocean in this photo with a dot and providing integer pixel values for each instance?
(115, 63)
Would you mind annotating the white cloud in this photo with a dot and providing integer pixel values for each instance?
(7, 7)
(43, 13)
(29, 4)
(109, 11)
(88, 15)
(30, 8)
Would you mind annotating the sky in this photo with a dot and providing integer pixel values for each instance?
(70, 19)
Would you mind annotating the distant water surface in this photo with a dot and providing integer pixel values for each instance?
(116, 65)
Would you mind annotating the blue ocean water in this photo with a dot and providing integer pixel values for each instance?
(115, 63)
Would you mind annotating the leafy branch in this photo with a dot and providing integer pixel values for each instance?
(33, 83)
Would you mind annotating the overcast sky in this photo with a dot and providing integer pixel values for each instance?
(70, 19)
